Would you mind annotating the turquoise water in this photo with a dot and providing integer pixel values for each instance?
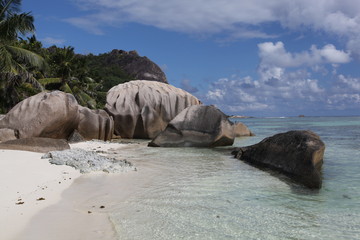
(207, 194)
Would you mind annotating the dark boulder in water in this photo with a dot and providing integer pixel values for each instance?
(298, 154)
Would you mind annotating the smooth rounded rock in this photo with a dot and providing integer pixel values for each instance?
(46, 114)
(298, 154)
(241, 130)
(95, 124)
(142, 109)
(197, 126)
(55, 115)
(7, 134)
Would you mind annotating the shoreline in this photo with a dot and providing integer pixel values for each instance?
(28, 184)
(84, 211)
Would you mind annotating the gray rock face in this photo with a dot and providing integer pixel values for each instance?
(241, 130)
(42, 145)
(56, 115)
(53, 115)
(197, 126)
(87, 161)
(142, 109)
(95, 124)
(136, 66)
(298, 154)
(7, 134)
(75, 137)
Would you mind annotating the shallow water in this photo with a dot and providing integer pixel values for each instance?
(207, 194)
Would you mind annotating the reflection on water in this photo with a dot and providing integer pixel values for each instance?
(207, 194)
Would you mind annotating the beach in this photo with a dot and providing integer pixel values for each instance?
(201, 193)
(30, 184)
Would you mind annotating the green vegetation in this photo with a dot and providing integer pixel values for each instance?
(27, 68)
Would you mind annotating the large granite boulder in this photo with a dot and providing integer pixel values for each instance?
(298, 154)
(142, 109)
(47, 114)
(197, 126)
(42, 145)
(95, 124)
(55, 115)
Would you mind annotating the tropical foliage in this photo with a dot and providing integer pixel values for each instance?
(17, 64)
(26, 67)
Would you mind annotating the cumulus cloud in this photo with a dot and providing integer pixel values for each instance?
(340, 18)
(274, 59)
(348, 84)
(294, 92)
(236, 95)
(276, 55)
(285, 83)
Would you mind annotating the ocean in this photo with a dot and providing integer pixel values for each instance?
(198, 193)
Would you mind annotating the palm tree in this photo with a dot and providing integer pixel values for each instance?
(69, 73)
(15, 61)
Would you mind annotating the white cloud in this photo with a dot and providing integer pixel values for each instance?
(53, 41)
(348, 83)
(241, 19)
(244, 94)
(275, 59)
(276, 55)
(344, 101)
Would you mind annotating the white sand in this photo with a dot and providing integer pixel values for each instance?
(79, 214)
(25, 179)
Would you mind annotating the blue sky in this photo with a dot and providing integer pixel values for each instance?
(248, 57)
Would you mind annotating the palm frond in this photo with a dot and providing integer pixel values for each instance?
(25, 56)
(9, 6)
(14, 24)
(46, 81)
(66, 88)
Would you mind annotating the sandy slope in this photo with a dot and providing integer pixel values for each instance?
(28, 184)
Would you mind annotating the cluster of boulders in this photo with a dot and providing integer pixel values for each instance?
(137, 109)
(167, 115)
(55, 115)
(142, 109)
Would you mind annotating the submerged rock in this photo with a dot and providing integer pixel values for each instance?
(298, 154)
(88, 161)
(142, 109)
(197, 126)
